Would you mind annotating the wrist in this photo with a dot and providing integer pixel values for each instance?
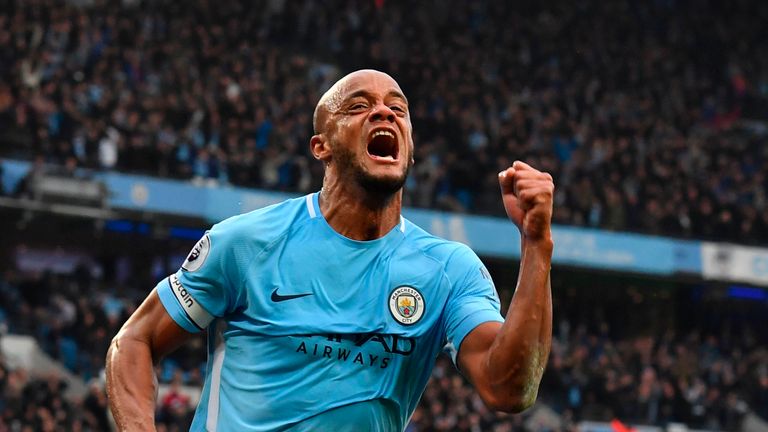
(541, 243)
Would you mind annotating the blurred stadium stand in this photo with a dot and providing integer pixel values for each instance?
(127, 128)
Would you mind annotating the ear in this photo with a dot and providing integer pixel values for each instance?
(320, 148)
(412, 151)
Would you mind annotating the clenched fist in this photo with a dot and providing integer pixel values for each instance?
(528, 194)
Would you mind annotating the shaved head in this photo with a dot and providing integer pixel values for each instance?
(332, 99)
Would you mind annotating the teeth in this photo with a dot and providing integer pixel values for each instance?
(383, 132)
(388, 158)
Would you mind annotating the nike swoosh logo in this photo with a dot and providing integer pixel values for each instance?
(277, 298)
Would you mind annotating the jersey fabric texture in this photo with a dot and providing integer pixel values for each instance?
(310, 330)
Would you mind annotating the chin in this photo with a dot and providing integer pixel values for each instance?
(382, 184)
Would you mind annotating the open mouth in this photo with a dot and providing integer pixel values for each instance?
(382, 145)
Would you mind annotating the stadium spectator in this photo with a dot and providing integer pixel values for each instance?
(175, 408)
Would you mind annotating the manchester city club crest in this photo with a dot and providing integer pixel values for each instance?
(406, 305)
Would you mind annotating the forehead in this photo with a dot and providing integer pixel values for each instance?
(371, 82)
(362, 82)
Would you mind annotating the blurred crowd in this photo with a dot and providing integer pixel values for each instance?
(648, 114)
(706, 380)
(38, 404)
(73, 317)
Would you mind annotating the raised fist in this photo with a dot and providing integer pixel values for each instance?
(528, 195)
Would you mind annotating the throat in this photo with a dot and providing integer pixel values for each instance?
(360, 219)
(370, 231)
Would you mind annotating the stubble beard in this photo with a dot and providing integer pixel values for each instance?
(350, 168)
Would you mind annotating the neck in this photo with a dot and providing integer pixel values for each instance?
(358, 214)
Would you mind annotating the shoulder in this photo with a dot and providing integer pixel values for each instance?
(260, 227)
(454, 256)
(458, 262)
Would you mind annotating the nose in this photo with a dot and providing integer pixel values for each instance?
(382, 112)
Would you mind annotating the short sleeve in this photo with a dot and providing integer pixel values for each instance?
(473, 299)
(203, 287)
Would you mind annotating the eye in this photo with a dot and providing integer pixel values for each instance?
(398, 109)
(358, 106)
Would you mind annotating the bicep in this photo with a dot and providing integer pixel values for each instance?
(472, 357)
(151, 324)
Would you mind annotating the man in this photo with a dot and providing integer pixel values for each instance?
(327, 312)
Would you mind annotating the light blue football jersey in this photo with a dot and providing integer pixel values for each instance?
(309, 330)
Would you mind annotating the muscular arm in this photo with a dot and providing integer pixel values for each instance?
(148, 335)
(505, 362)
